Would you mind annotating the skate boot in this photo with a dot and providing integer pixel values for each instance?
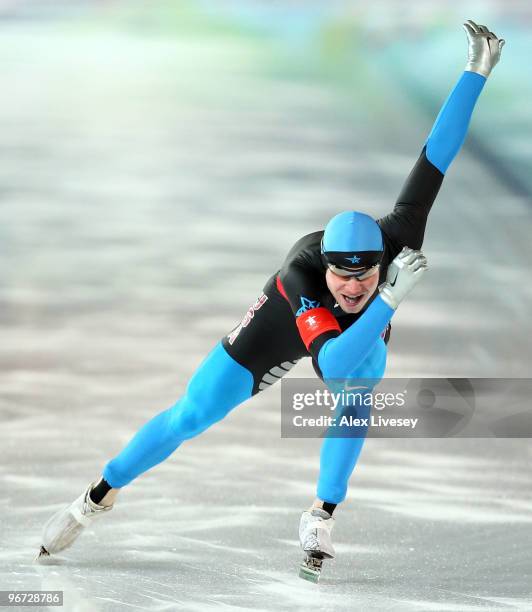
(66, 525)
(315, 537)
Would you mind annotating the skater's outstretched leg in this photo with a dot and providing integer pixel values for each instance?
(340, 450)
(219, 384)
(339, 454)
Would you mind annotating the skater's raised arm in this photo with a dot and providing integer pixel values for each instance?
(406, 224)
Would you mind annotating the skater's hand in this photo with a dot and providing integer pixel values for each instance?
(484, 48)
(404, 273)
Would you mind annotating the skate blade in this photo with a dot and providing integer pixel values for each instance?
(310, 569)
(309, 573)
(42, 556)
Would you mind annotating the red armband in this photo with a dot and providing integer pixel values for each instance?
(315, 322)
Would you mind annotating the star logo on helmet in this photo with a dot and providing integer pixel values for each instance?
(353, 259)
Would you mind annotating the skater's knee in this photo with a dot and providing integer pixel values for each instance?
(192, 415)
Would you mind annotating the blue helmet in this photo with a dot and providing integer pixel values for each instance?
(352, 240)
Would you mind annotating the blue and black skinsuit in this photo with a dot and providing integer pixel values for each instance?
(273, 335)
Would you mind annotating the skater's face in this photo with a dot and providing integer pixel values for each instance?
(351, 294)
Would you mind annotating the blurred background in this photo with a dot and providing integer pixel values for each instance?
(158, 161)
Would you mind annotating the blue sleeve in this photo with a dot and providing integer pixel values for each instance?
(450, 127)
(339, 356)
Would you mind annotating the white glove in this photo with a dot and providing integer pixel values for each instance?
(484, 48)
(404, 273)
